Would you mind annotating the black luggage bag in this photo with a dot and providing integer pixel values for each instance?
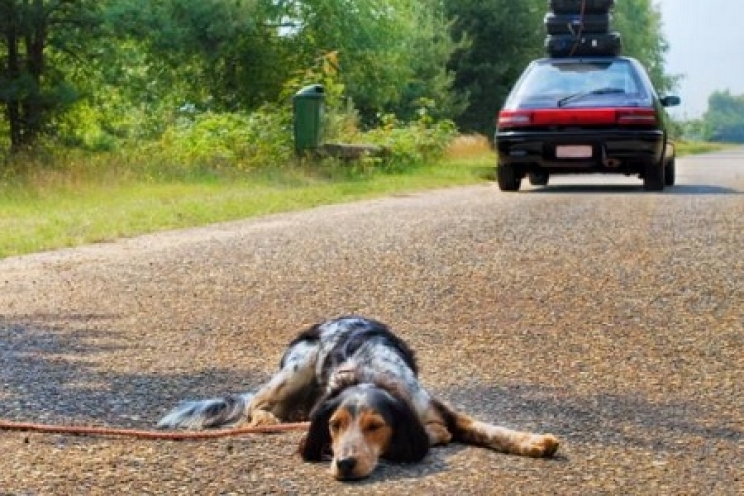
(574, 6)
(589, 44)
(576, 23)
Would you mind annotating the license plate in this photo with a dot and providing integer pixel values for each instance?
(573, 151)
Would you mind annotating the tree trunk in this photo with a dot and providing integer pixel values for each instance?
(32, 106)
(12, 104)
(24, 68)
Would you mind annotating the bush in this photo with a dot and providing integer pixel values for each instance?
(413, 144)
(205, 144)
(241, 142)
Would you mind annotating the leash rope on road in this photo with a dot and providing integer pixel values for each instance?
(145, 434)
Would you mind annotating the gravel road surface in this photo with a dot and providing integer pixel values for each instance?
(609, 316)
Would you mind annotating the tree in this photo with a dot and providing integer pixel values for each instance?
(391, 53)
(504, 36)
(230, 53)
(724, 119)
(431, 47)
(640, 23)
(238, 55)
(38, 38)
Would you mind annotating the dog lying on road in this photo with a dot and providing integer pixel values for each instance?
(357, 383)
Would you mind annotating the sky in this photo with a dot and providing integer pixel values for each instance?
(706, 39)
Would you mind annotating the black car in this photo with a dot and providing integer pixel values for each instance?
(578, 115)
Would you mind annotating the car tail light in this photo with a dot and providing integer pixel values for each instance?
(636, 117)
(557, 117)
(578, 117)
(574, 117)
(514, 118)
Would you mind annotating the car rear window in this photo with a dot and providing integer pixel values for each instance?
(578, 83)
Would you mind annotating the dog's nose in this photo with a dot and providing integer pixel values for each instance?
(346, 466)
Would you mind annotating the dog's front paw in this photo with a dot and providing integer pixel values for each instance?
(438, 434)
(262, 417)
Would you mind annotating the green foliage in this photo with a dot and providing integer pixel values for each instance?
(124, 103)
(224, 142)
(504, 36)
(640, 23)
(42, 43)
(413, 144)
(238, 55)
(389, 54)
(724, 120)
(696, 147)
(408, 143)
(370, 44)
(694, 129)
(225, 55)
(431, 47)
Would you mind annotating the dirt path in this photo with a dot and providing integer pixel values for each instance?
(611, 317)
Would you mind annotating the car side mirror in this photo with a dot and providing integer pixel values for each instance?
(671, 101)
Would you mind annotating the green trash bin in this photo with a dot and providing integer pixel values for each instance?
(308, 118)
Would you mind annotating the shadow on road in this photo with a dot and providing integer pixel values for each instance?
(702, 189)
(54, 373)
(609, 419)
(679, 190)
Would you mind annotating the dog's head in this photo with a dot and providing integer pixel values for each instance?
(360, 424)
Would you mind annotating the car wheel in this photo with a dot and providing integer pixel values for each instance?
(653, 177)
(507, 177)
(670, 173)
(539, 179)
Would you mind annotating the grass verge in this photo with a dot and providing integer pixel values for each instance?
(53, 211)
(698, 147)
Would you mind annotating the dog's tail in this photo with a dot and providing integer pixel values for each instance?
(203, 414)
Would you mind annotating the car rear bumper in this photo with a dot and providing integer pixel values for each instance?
(622, 151)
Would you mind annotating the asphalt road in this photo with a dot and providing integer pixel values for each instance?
(609, 316)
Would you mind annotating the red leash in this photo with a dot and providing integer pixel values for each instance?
(151, 435)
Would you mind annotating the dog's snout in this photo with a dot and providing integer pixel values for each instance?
(346, 466)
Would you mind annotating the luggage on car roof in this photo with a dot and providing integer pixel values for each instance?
(588, 44)
(576, 23)
(581, 28)
(575, 6)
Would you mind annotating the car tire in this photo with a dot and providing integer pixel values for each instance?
(539, 179)
(508, 178)
(577, 6)
(670, 172)
(653, 176)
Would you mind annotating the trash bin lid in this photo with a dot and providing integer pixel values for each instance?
(311, 91)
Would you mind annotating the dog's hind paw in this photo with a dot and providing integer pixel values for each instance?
(262, 417)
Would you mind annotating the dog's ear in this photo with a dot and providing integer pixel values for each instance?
(409, 443)
(317, 441)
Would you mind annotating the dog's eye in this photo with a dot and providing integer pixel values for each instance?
(374, 427)
(334, 425)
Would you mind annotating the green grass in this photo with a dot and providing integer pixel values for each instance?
(47, 214)
(698, 147)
